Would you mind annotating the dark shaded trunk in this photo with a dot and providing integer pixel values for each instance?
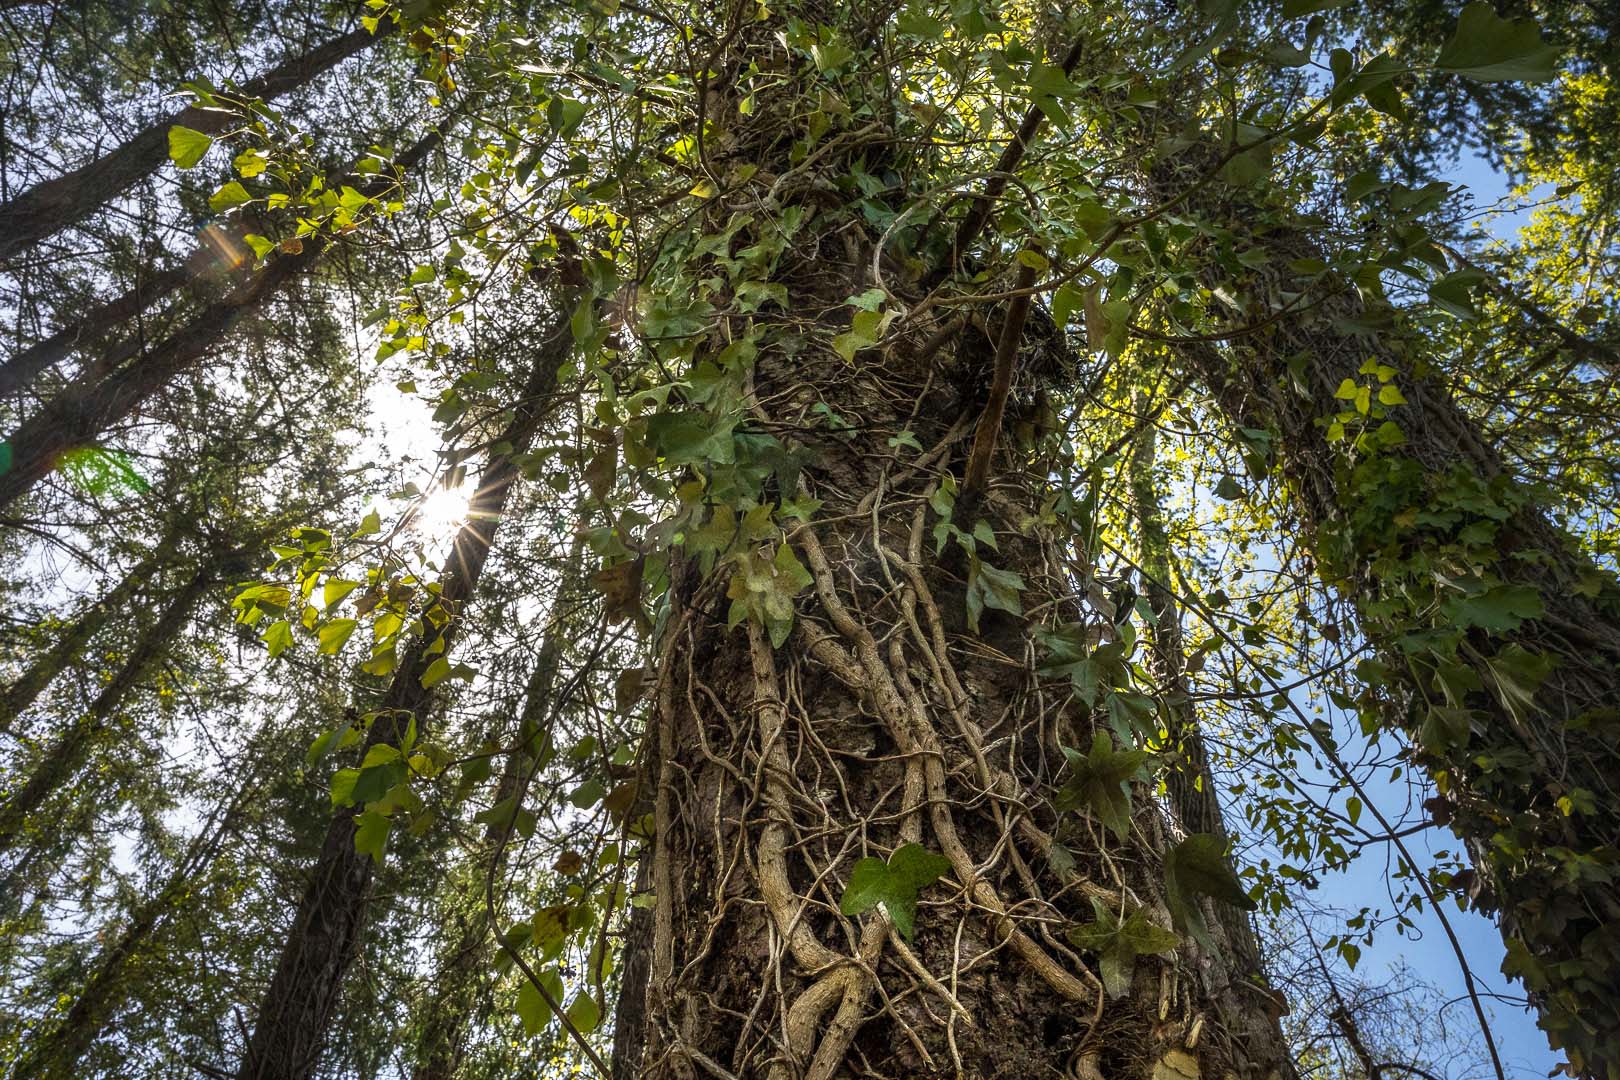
(451, 1008)
(55, 1052)
(1499, 641)
(72, 639)
(84, 410)
(22, 368)
(54, 205)
(291, 1023)
(69, 751)
(1190, 779)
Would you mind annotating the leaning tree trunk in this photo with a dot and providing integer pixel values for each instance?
(56, 1051)
(20, 369)
(1500, 642)
(54, 205)
(75, 635)
(86, 408)
(70, 749)
(879, 718)
(1190, 780)
(291, 1023)
(449, 1010)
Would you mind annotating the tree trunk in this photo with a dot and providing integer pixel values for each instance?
(290, 1027)
(1499, 642)
(73, 747)
(54, 205)
(73, 638)
(21, 369)
(1190, 781)
(447, 1016)
(55, 1052)
(82, 411)
(899, 713)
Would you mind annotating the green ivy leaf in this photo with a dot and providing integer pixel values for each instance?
(989, 587)
(228, 197)
(1118, 944)
(895, 884)
(1489, 48)
(335, 634)
(371, 835)
(1099, 782)
(1198, 867)
(532, 1009)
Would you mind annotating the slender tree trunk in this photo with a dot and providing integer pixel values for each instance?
(449, 1011)
(881, 721)
(73, 638)
(57, 1051)
(1500, 643)
(54, 205)
(291, 1024)
(69, 751)
(22, 368)
(81, 412)
(1190, 781)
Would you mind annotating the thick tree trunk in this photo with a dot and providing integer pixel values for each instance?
(291, 1024)
(883, 720)
(82, 411)
(54, 205)
(1500, 642)
(72, 748)
(73, 637)
(55, 1053)
(23, 367)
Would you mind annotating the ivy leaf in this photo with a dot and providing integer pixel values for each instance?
(187, 146)
(992, 588)
(1099, 783)
(335, 634)
(531, 1006)
(1118, 944)
(1197, 867)
(894, 884)
(1489, 48)
(584, 1013)
(1499, 609)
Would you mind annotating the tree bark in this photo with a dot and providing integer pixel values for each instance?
(291, 1023)
(72, 748)
(54, 205)
(82, 411)
(881, 717)
(1500, 642)
(1190, 781)
(449, 1011)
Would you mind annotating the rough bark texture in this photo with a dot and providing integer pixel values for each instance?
(1190, 781)
(883, 719)
(291, 1024)
(53, 205)
(449, 1011)
(1500, 639)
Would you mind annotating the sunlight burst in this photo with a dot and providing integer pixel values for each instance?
(442, 512)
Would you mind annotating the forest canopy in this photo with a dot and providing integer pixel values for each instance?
(809, 539)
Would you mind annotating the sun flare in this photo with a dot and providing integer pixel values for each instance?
(442, 512)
